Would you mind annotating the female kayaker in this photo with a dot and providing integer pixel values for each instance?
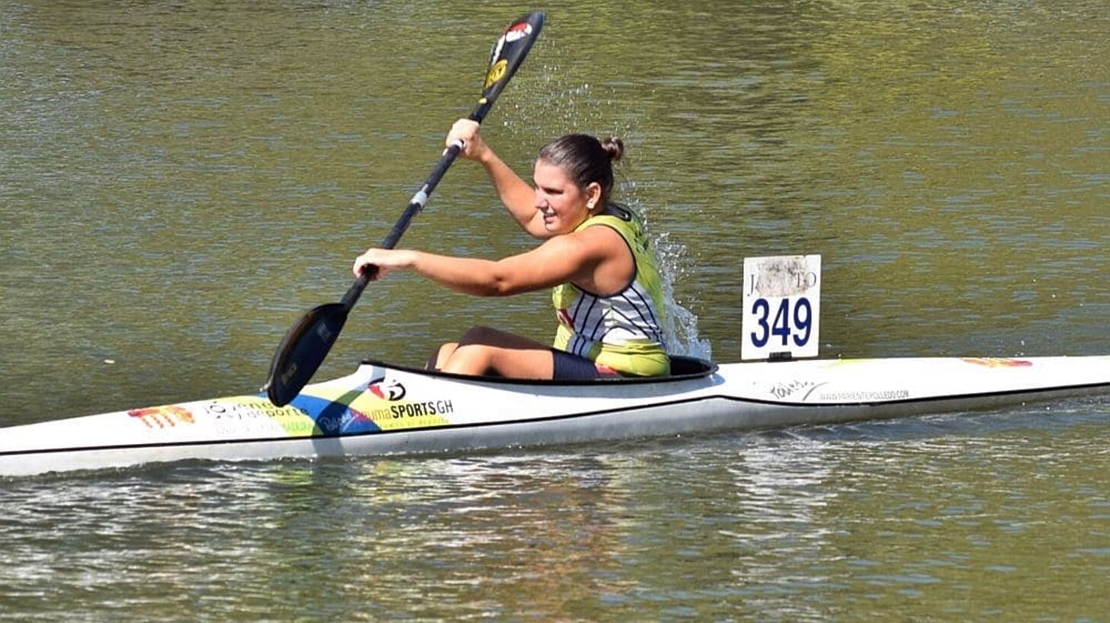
(608, 294)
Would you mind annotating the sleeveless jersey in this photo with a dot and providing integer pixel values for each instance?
(623, 332)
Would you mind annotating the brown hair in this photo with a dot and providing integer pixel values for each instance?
(585, 159)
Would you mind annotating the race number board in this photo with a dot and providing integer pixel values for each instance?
(782, 304)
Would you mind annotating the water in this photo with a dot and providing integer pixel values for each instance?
(932, 519)
(179, 182)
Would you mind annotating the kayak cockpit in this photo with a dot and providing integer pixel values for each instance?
(682, 368)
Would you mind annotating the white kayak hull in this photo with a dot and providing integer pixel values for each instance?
(382, 410)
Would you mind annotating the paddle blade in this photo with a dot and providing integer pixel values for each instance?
(507, 55)
(302, 350)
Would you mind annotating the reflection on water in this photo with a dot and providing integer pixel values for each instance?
(916, 517)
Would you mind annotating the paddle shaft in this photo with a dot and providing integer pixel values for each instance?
(500, 70)
(308, 341)
(415, 206)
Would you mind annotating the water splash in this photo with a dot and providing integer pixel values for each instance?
(681, 326)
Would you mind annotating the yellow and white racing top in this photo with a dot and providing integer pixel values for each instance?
(623, 332)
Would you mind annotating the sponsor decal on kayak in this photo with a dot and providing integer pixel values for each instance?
(387, 402)
(234, 416)
(998, 362)
(163, 417)
(807, 391)
(385, 405)
(785, 390)
(421, 409)
(255, 415)
(328, 415)
(865, 396)
(392, 390)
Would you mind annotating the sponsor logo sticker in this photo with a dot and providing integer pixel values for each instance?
(496, 72)
(163, 417)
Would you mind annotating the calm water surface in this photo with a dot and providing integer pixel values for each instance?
(178, 182)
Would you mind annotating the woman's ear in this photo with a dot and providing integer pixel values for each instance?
(593, 195)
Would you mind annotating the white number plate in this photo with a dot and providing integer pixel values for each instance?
(782, 305)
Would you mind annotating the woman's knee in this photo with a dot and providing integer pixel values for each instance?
(469, 359)
(440, 357)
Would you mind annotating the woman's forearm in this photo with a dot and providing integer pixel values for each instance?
(462, 274)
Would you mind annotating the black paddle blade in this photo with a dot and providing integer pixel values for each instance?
(507, 55)
(302, 350)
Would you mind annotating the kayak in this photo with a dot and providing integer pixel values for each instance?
(382, 409)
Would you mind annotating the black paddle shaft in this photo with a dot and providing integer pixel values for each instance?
(308, 341)
(415, 206)
(506, 56)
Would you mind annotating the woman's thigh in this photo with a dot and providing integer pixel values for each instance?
(484, 350)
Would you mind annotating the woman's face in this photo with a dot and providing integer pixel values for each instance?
(563, 204)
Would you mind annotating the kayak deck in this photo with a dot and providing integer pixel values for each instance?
(383, 409)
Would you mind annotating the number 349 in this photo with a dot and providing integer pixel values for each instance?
(791, 322)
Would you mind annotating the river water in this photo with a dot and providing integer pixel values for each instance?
(179, 181)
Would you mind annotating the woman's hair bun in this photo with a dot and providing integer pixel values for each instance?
(614, 147)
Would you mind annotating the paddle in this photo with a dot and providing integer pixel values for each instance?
(307, 342)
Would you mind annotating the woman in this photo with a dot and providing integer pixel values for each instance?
(607, 291)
